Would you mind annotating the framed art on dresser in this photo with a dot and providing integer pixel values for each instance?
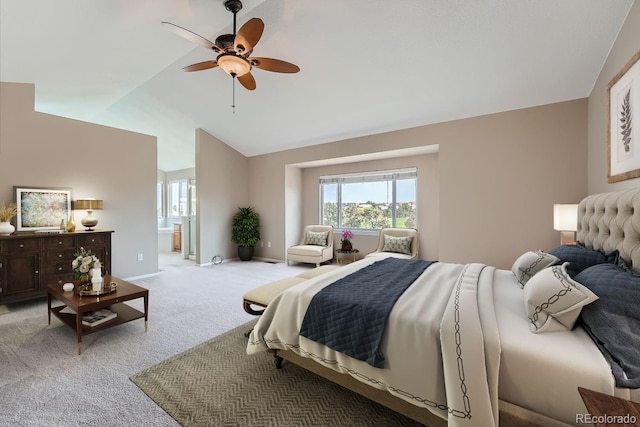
(41, 208)
(623, 143)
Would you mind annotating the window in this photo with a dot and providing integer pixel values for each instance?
(369, 201)
(160, 199)
(178, 198)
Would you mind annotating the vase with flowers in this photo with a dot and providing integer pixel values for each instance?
(345, 242)
(84, 261)
(6, 215)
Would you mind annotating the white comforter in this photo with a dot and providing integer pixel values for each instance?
(441, 344)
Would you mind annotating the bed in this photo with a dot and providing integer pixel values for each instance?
(483, 346)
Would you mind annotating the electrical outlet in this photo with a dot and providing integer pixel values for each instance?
(140, 257)
(268, 244)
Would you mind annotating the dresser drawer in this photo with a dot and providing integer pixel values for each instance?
(59, 254)
(91, 240)
(60, 278)
(65, 242)
(21, 245)
(56, 268)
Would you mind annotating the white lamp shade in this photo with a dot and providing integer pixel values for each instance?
(565, 217)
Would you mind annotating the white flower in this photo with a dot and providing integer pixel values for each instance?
(84, 261)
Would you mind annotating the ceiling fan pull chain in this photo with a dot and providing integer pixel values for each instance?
(233, 90)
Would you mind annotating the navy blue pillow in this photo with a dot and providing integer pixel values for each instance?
(580, 257)
(613, 321)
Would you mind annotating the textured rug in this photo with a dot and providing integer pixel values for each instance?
(217, 384)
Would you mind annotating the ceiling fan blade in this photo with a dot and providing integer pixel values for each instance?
(247, 81)
(191, 36)
(201, 66)
(249, 35)
(275, 65)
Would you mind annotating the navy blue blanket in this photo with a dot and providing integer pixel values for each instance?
(350, 315)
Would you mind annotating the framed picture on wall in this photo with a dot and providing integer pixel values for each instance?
(623, 145)
(41, 208)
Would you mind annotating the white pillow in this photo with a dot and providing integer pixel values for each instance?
(400, 245)
(531, 263)
(553, 300)
(318, 238)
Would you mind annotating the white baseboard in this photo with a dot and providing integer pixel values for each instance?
(142, 276)
(259, 258)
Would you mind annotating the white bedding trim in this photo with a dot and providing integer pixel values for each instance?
(468, 341)
(454, 311)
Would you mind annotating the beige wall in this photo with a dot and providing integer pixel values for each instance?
(626, 45)
(222, 181)
(114, 165)
(499, 176)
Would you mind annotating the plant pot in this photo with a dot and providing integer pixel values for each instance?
(6, 228)
(245, 253)
(346, 247)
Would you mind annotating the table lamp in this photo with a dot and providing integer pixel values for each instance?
(89, 204)
(565, 220)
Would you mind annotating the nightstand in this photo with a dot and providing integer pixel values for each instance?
(608, 410)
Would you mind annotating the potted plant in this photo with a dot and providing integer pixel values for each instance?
(246, 231)
(6, 215)
(346, 240)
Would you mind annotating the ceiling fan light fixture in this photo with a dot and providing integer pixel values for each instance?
(234, 65)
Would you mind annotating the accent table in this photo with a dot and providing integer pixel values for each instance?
(125, 291)
(344, 252)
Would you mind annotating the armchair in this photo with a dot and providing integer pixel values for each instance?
(316, 245)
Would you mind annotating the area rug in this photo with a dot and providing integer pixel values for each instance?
(217, 384)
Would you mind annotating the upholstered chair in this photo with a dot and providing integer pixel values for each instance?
(316, 245)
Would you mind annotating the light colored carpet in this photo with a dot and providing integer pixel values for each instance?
(43, 382)
(218, 384)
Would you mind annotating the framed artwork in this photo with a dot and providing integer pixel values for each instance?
(623, 145)
(41, 208)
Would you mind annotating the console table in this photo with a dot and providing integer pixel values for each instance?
(30, 261)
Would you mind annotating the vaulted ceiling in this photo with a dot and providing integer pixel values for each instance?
(367, 66)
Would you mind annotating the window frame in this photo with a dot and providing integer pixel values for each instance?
(160, 199)
(392, 175)
(183, 197)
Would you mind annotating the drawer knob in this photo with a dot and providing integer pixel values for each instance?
(59, 268)
(37, 272)
(59, 242)
(22, 245)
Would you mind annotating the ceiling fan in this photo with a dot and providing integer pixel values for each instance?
(234, 50)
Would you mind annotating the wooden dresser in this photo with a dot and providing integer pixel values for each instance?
(29, 262)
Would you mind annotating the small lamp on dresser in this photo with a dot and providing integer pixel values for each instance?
(565, 220)
(89, 204)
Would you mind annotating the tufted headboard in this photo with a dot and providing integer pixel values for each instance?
(612, 221)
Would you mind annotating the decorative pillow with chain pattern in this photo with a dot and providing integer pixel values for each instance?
(529, 263)
(553, 300)
(400, 245)
(317, 238)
